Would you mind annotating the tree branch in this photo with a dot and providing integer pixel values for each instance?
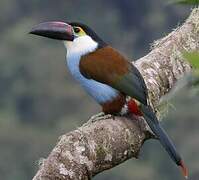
(91, 149)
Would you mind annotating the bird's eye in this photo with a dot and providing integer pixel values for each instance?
(77, 29)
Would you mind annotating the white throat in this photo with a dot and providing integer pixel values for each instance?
(77, 48)
(80, 46)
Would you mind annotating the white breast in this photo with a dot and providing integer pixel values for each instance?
(81, 46)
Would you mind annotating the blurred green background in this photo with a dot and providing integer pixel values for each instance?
(39, 101)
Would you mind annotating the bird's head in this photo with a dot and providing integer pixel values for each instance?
(77, 37)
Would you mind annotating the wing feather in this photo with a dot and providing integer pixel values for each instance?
(108, 66)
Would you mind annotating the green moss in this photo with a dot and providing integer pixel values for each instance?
(101, 152)
(146, 66)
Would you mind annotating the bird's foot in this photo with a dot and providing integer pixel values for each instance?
(98, 117)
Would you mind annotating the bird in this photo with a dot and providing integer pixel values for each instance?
(107, 76)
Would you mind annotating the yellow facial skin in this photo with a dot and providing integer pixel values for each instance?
(78, 31)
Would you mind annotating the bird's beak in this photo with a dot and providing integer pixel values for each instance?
(54, 30)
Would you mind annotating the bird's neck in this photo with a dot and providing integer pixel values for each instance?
(75, 50)
(80, 46)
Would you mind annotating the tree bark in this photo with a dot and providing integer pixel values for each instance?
(91, 149)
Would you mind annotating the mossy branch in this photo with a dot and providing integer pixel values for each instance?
(89, 150)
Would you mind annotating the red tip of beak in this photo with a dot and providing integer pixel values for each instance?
(184, 169)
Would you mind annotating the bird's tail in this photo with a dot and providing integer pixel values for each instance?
(164, 139)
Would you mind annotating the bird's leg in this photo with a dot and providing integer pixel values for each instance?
(98, 117)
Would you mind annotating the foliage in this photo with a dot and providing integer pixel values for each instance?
(188, 2)
(193, 59)
(193, 81)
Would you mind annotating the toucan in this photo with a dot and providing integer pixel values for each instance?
(107, 76)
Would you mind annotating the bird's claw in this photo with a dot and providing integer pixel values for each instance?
(98, 117)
